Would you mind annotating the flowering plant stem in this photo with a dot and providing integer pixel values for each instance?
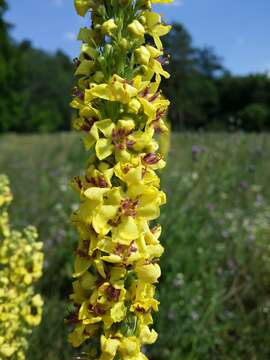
(120, 108)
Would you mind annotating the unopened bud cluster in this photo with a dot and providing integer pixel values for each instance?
(120, 108)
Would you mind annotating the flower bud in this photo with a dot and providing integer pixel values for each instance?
(37, 301)
(108, 49)
(136, 28)
(108, 27)
(101, 10)
(101, 60)
(141, 70)
(144, 4)
(134, 106)
(142, 19)
(142, 55)
(124, 44)
(82, 6)
(98, 76)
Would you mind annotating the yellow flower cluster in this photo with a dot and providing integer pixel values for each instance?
(21, 262)
(120, 109)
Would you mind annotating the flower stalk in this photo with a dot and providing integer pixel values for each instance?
(120, 109)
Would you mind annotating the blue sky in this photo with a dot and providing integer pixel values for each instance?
(238, 29)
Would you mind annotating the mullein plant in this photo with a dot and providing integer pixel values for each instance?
(120, 108)
(21, 260)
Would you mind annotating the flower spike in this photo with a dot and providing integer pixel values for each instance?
(21, 261)
(120, 110)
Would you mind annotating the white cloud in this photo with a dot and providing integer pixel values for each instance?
(70, 35)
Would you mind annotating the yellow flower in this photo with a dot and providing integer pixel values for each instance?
(107, 207)
(118, 89)
(142, 296)
(7, 350)
(148, 273)
(129, 348)
(109, 348)
(31, 319)
(5, 193)
(81, 333)
(116, 139)
(155, 28)
(148, 336)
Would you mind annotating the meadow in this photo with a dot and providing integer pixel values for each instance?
(215, 286)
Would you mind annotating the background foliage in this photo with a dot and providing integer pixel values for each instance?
(35, 88)
(214, 290)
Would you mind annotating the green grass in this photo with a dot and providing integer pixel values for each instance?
(215, 286)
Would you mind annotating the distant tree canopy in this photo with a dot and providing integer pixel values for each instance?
(35, 88)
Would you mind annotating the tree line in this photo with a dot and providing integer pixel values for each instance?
(206, 95)
(36, 87)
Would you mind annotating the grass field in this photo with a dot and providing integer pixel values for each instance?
(215, 287)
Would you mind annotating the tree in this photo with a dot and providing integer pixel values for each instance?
(254, 117)
(10, 76)
(48, 83)
(191, 89)
(244, 96)
(4, 27)
(208, 63)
